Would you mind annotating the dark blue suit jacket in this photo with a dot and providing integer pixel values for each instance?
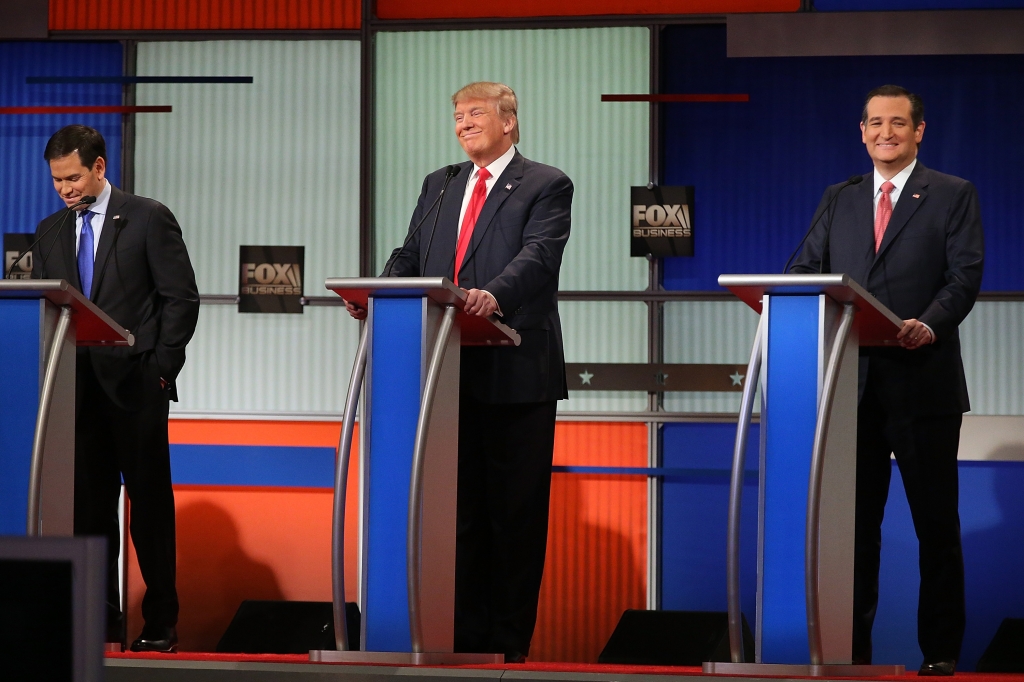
(928, 267)
(515, 254)
(143, 280)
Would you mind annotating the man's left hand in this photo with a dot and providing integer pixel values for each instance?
(914, 334)
(480, 303)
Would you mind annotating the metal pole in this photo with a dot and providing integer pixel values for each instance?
(828, 393)
(35, 478)
(739, 456)
(412, 548)
(340, 492)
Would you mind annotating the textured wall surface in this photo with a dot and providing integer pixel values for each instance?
(274, 162)
(199, 15)
(26, 192)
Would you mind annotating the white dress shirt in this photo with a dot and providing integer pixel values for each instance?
(99, 208)
(495, 168)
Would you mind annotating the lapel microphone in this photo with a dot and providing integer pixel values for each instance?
(853, 180)
(449, 173)
(85, 201)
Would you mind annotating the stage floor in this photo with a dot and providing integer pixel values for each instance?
(196, 667)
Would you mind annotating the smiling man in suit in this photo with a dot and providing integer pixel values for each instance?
(501, 230)
(127, 255)
(912, 237)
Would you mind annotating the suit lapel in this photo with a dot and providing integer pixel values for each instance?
(107, 237)
(506, 183)
(912, 196)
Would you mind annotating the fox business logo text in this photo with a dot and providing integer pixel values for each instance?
(668, 220)
(279, 279)
(24, 269)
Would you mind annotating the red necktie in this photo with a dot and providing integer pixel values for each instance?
(476, 203)
(883, 212)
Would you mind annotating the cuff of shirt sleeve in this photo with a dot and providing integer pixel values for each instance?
(497, 308)
(930, 331)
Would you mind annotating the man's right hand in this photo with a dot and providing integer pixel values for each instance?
(356, 311)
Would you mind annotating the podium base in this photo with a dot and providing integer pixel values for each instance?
(794, 670)
(404, 657)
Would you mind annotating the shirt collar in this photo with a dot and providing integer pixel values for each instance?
(496, 167)
(99, 207)
(898, 180)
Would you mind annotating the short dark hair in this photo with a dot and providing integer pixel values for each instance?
(87, 141)
(916, 104)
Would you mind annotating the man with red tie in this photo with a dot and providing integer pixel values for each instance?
(502, 226)
(913, 238)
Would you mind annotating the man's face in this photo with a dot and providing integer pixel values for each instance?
(481, 132)
(73, 181)
(889, 133)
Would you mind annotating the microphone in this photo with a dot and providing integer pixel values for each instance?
(449, 173)
(853, 180)
(85, 201)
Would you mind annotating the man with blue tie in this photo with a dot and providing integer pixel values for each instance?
(127, 255)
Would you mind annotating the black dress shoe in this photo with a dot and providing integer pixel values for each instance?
(937, 669)
(158, 640)
(515, 657)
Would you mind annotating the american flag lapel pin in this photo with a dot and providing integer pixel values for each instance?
(508, 186)
(917, 196)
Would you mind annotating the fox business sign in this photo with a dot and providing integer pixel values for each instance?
(271, 279)
(661, 221)
(16, 244)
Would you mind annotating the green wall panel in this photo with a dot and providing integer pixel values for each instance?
(273, 162)
(559, 76)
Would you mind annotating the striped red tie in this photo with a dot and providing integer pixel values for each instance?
(883, 212)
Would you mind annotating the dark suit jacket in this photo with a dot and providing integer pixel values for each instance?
(928, 267)
(143, 279)
(515, 254)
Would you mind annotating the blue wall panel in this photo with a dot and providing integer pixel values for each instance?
(759, 168)
(19, 396)
(695, 510)
(26, 191)
(695, 514)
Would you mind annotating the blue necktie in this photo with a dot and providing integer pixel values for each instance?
(85, 254)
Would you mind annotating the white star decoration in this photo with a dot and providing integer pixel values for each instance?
(585, 378)
(737, 379)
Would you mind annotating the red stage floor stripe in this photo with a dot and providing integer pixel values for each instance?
(675, 98)
(86, 110)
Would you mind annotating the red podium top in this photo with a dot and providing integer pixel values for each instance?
(476, 331)
(93, 326)
(876, 324)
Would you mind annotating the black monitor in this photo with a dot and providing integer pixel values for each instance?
(52, 608)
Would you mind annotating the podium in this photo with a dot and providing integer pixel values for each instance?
(42, 321)
(805, 354)
(409, 353)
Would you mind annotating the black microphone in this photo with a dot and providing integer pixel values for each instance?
(449, 173)
(853, 180)
(85, 201)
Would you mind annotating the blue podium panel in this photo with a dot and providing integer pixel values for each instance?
(19, 399)
(395, 372)
(788, 420)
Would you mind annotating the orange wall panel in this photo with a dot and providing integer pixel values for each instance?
(596, 564)
(200, 15)
(417, 9)
(236, 432)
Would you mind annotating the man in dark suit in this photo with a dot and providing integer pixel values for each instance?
(127, 254)
(912, 237)
(503, 225)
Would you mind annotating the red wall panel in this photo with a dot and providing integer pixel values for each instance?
(597, 542)
(417, 9)
(274, 543)
(200, 15)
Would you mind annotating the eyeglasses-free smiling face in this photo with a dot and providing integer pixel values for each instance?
(890, 135)
(483, 134)
(73, 181)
